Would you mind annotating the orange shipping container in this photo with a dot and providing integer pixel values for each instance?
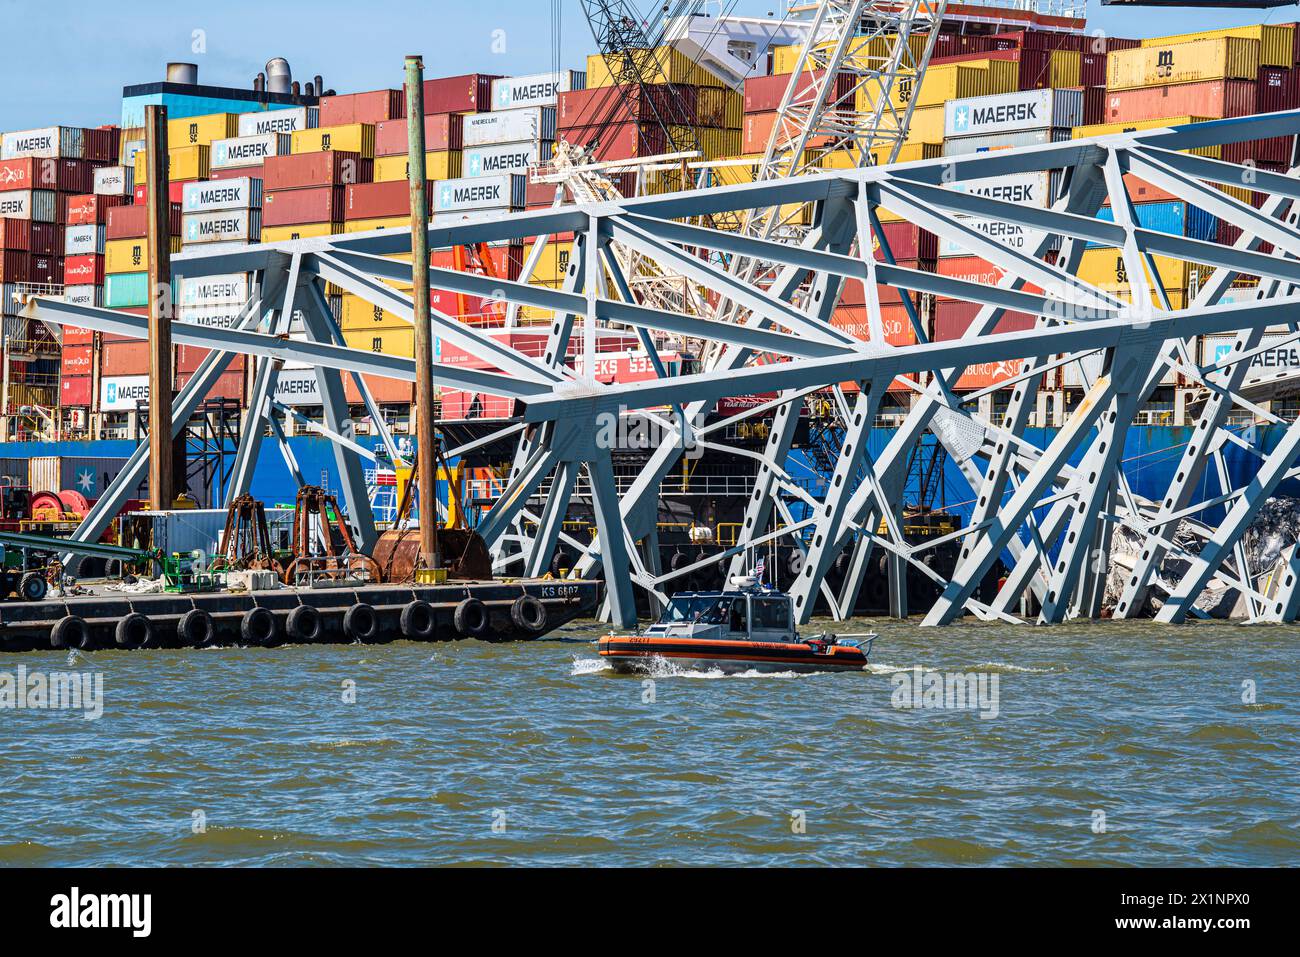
(77, 360)
(384, 390)
(129, 357)
(1216, 99)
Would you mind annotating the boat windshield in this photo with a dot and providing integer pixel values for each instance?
(689, 608)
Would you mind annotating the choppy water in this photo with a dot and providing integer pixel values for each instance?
(1142, 722)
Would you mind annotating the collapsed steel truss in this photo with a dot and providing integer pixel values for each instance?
(1051, 521)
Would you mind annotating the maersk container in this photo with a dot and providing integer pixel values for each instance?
(50, 142)
(114, 181)
(37, 205)
(480, 193)
(278, 121)
(220, 315)
(963, 145)
(84, 295)
(537, 89)
(222, 226)
(1281, 353)
(213, 290)
(88, 474)
(509, 126)
(1177, 218)
(505, 158)
(1013, 112)
(242, 193)
(83, 240)
(251, 150)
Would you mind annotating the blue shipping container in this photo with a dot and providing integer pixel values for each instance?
(1174, 217)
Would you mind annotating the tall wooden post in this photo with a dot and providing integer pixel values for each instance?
(426, 457)
(158, 247)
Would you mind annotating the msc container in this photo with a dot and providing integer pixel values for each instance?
(83, 240)
(368, 108)
(356, 138)
(1013, 112)
(37, 205)
(91, 208)
(50, 142)
(509, 126)
(961, 145)
(250, 150)
(442, 131)
(1222, 58)
(84, 270)
(505, 158)
(223, 226)
(319, 204)
(480, 193)
(955, 81)
(183, 163)
(662, 64)
(242, 193)
(537, 89)
(213, 290)
(1177, 218)
(1216, 99)
(201, 130)
(278, 121)
(469, 93)
(114, 181)
(381, 200)
(446, 164)
(88, 474)
(126, 290)
(327, 168)
(1104, 267)
(1276, 42)
(581, 108)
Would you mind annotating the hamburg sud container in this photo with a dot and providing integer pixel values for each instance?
(252, 150)
(63, 175)
(1034, 189)
(1004, 113)
(278, 121)
(50, 142)
(537, 89)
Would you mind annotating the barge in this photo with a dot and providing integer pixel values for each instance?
(368, 614)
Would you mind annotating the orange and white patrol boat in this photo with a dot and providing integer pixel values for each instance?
(747, 628)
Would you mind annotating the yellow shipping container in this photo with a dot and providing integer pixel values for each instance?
(1276, 42)
(1065, 67)
(912, 151)
(201, 130)
(552, 265)
(352, 137)
(128, 255)
(390, 342)
(870, 52)
(278, 234)
(1108, 129)
(1104, 267)
(443, 164)
(664, 65)
(1227, 58)
(367, 225)
(926, 125)
(358, 315)
(185, 163)
(950, 81)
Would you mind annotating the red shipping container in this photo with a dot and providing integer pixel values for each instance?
(322, 168)
(952, 318)
(370, 107)
(907, 241)
(64, 175)
(101, 144)
(594, 107)
(16, 234)
(229, 385)
(188, 359)
(87, 209)
(294, 207)
(128, 357)
(132, 222)
(15, 265)
(974, 269)
(758, 128)
(175, 191)
(507, 260)
(384, 390)
(763, 94)
(75, 390)
(470, 93)
(1034, 66)
(77, 359)
(955, 44)
(893, 319)
(1214, 99)
(83, 270)
(381, 200)
(442, 131)
(853, 293)
(1092, 69)
(1275, 89)
(1094, 105)
(623, 141)
(237, 172)
(77, 336)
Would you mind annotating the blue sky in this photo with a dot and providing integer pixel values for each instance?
(67, 62)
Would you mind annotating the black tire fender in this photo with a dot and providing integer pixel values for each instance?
(528, 614)
(258, 627)
(360, 623)
(471, 618)
(194, 629)
(70, 631)
(417, 621)
(303, 625)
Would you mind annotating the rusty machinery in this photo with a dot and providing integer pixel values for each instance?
(317, 515)
(246, 539)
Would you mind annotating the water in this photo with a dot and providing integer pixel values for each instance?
(1144, 723)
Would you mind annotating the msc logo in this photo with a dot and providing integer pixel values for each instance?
(325, 141)
(1165, 63)
(194, 133)
(379, 314)
(377, 344)
(137, 255)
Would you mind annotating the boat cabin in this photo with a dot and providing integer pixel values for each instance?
(729, 615)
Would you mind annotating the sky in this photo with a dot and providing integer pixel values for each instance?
(66, 62)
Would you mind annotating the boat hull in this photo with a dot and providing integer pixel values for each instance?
(637, 655)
